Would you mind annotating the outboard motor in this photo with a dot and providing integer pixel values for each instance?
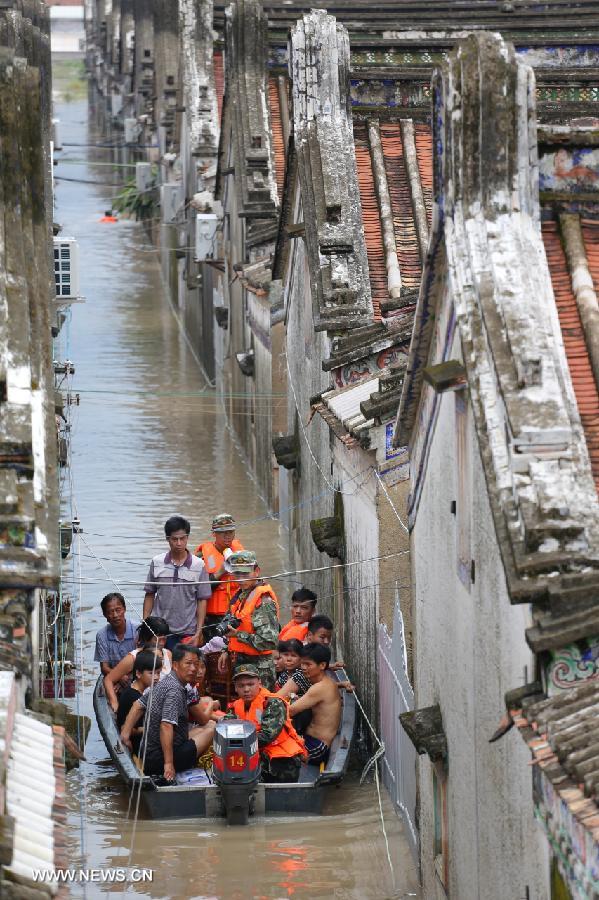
(236, 767)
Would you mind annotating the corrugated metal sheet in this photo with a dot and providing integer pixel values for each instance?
(345, 403)
(30, 796)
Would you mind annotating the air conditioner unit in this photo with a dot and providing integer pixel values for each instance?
(56, 134)
(131, 130)
(206, 226)
(116, 104)
(66, 268)
(171, 200)
(143, 176)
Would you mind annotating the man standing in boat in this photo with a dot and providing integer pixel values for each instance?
(281, 748)
(213, 553)
(256, 609)
(177, 587)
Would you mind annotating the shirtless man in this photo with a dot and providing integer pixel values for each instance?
(322, 699)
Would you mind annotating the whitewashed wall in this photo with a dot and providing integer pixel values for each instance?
(310, 493)
(360, 587)
(470, 650)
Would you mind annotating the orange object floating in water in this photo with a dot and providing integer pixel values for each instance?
(108, 217)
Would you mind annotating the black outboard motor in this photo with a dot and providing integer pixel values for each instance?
(236, 767)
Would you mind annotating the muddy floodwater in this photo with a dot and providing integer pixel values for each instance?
(148, 440)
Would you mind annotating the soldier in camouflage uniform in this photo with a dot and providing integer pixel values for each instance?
(257, 607)
(272, 724)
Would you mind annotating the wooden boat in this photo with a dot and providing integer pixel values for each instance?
(193, 800)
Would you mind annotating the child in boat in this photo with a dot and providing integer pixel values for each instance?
(290, 654)
(151, 635)
(322, 700)
(146, 669)
(197, 694)
(320, 631)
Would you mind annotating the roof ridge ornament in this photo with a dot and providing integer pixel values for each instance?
(324, 142)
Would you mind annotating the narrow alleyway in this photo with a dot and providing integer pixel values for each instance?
(149, 440)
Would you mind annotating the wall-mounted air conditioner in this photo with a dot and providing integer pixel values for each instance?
(116, 104)
(131, 130)
(143, 176)
(206, 227)
(171, 200)
(66, 268)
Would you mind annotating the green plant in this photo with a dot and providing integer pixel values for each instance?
(141, 204)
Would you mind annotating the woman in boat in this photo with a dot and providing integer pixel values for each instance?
(146, 671)
(151, 635)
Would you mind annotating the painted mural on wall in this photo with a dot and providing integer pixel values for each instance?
(556, 57)
(572, 844)
(570, 665)
(575, 170)
(356, 371)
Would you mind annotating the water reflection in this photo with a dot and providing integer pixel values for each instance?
(149, 440)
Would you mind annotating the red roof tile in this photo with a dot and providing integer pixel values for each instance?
(219, 81)
(579, 362)
(277, 132)
(424, 149)
(408, 251)
(371, 220)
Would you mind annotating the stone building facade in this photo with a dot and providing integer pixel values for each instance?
(496, 409)
(29, 552)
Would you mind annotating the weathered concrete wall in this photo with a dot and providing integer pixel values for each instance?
(470, 651)
(394, 574)
(306, 489)
(258, 309)
(357, 615)
(166, 70)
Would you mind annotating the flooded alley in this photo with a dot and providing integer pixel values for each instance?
(149, 440)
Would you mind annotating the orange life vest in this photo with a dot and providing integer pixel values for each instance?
(244, 611)
(294, 630)
(218, 603)
(287, 743)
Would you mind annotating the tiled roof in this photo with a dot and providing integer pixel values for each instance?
(585, 389)
(371, 220)
(424, 150)
(527, 16)
(561, 733)
(277, 132)
(408, 252)
(219, 81)
(403, 217)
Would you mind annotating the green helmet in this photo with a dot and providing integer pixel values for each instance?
(242, 561)
(246, 669)
(223, 522)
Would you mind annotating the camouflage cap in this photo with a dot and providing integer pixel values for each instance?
(246, 669)
(223, 522)
(242, 561)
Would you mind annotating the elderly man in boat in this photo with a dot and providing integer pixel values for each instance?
(281, 748)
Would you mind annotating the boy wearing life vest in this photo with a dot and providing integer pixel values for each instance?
(303, 607)
(256, 608)
(214, 554)
(281, 748)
